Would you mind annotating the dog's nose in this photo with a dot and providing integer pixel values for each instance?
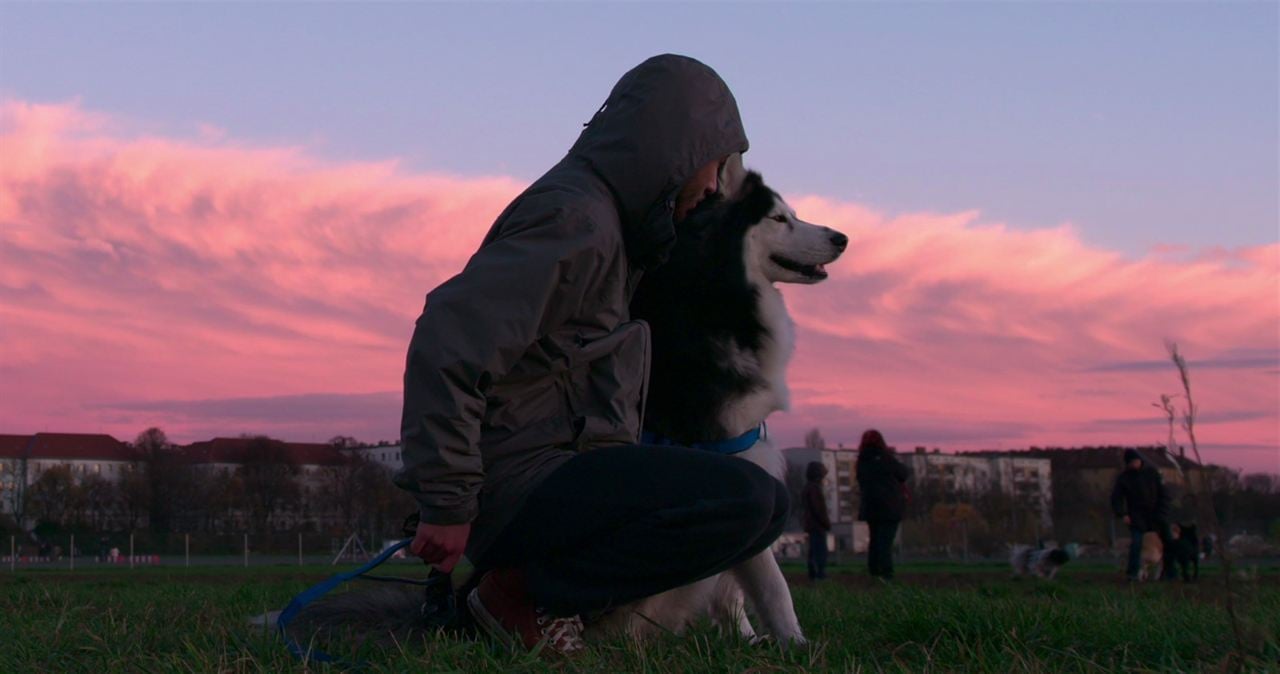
(839, 240)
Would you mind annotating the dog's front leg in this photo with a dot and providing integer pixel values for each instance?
(728, 610)
(766, 588)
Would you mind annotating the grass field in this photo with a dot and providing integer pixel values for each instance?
(934, 618)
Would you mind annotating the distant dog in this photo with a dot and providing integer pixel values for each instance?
(1042, 563)
(1152, 557)
(1185, 550)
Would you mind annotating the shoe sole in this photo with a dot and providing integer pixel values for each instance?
(487, 623)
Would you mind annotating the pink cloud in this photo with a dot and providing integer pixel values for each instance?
(214, 287)
(938, 325)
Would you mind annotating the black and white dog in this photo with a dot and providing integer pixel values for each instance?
(721, 342)
(1039, 562)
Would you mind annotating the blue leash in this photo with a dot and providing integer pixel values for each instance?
(324, 587)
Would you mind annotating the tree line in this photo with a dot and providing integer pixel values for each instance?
(163, 491)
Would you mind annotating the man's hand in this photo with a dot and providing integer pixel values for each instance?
(441, 545)
(1126, 521)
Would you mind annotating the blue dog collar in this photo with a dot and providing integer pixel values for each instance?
(731, 446)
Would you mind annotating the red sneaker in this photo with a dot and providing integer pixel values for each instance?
(503, 610)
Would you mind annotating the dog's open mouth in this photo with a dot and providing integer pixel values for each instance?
(813, 271)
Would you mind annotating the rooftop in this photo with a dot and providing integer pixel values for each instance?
(1110, 457)
(64, 446)
(238, 450)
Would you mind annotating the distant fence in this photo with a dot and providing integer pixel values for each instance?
(133, 550)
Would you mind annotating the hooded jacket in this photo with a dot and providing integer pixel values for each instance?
(529, 355)
(1140, 494)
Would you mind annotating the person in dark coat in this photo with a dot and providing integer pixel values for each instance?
(1141, 501)
(525, 378)
(816, 520)
(882, 480)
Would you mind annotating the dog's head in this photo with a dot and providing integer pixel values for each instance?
(1058, 557)
(776, 243)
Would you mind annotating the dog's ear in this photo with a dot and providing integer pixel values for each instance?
(732, 174)
(754, 200)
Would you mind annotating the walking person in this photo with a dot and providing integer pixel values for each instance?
(1141, 501)
(882, 480)
(816, 521)
(524, 383)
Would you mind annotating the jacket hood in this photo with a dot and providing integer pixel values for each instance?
(1131, 454)
(663, 120)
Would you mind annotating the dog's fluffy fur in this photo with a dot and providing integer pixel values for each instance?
(1041, 563)
(721, 342)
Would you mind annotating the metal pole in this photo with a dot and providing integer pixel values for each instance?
(246, 551)
(299, 548)
(73, 552)
(130, 549)
(186, 550)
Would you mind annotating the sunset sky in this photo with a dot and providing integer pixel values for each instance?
(222, 219)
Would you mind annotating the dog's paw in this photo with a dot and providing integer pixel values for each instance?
(786, 641)
(797, 641)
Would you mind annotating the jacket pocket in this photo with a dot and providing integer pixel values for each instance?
(606, 385)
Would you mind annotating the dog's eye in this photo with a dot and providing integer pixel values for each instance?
(779, 218)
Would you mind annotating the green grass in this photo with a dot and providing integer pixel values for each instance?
(935, 618)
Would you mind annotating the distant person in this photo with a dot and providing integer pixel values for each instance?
(1140, 499)
(816, 520)
(882, 479)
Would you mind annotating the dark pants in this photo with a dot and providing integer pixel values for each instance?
(817, 555)
(880, 548)
(1168, 570)
(616, 524)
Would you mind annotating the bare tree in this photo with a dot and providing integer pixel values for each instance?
(344, 442)
(97, 498)
(814, 440)
(1262, 483)
(270, 478)
(349, 490)
(223, 497)
(168, 478)
(135, 494)
(1203, 493)
(51, 498)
